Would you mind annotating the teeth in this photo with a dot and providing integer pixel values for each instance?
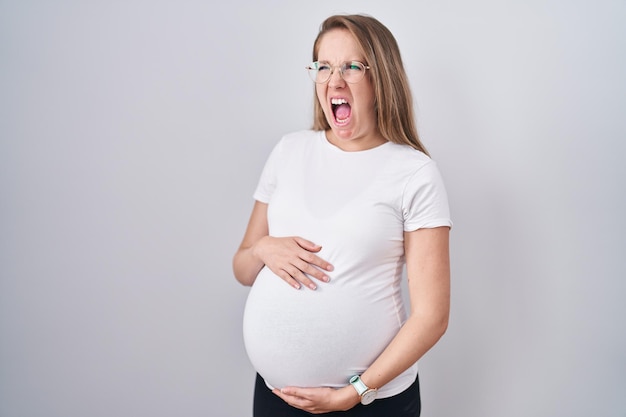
(338, 101)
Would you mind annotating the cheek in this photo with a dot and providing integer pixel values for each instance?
(320, 91)
(367, 102)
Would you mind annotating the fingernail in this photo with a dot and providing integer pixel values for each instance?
(312, 286)
(296, 286)
(329, 268)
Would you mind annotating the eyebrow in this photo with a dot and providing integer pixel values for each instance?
(325, 61)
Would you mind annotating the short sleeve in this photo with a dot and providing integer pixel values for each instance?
(267, 182)
(425, 201)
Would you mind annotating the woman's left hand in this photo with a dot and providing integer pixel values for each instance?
(319, 400)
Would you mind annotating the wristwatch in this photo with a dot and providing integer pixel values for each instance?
(367, 394)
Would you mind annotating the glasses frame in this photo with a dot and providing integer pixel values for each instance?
(342, 68)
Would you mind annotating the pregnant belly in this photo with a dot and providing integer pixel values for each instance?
(314, 338)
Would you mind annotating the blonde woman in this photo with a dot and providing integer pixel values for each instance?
(341, 210)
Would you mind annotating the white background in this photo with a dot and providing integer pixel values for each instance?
(132, 134)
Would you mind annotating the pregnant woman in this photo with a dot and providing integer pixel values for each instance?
(341, 211)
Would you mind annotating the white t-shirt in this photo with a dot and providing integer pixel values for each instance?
(356, 205)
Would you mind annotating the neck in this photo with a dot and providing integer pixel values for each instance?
(355, 144)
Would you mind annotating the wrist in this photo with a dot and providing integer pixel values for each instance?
(256, 250)
(366, 394)
(349, 397)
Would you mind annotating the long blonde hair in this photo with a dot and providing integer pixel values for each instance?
(393, 98)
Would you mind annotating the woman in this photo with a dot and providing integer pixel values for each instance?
(340, 210)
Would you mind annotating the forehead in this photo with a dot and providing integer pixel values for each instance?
(338, 45)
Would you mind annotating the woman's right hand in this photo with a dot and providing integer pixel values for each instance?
(293, 259)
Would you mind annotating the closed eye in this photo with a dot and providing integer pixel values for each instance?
(323, 67)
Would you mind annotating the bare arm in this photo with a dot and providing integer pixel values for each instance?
(428, 272)
(291, 258)
(246, 265)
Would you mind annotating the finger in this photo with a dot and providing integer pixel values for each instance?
(297, 274)
(288, 392)
(286, 276)
(307, 244)
(312, 271)
(316, 260)
(285, 397)
(288, 398)
(294, 399)
(303, 393)
(296, 278)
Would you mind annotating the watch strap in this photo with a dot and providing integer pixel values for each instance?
(358, 384)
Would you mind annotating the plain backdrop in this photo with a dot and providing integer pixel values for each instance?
(132, 135)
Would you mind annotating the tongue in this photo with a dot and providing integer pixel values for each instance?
(342, 112)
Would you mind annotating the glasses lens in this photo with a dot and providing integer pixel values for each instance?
(353, 71)
(319, 72)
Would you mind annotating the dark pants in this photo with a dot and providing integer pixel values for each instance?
(405, 404)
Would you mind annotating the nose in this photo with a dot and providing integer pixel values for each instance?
(336, 80)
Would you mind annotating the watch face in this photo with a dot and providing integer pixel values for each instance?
(368, 397)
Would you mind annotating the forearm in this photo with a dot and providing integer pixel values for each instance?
(246, 262)
(418, 335)
(246, 265)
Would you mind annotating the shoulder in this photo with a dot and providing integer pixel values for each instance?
(299, 137)
(406, 158)
(296, 142)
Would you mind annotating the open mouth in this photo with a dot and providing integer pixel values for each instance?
(341, 110)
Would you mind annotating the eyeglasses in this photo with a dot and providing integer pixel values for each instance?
(352, 72)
